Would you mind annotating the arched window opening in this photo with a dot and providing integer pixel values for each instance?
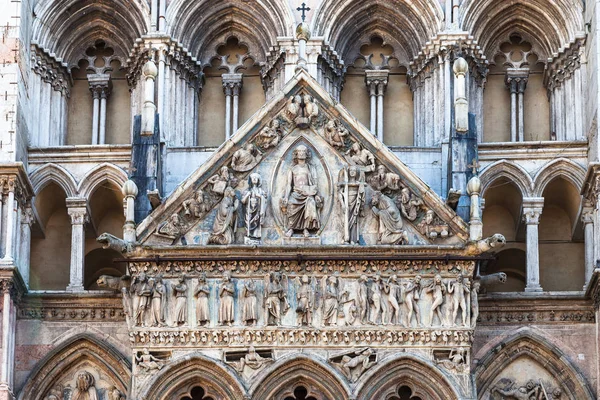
(197, 393)
(404, 393)
(232, 88)
(300, 393)
(99, 107)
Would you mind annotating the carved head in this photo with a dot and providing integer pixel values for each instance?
(85, 381)
(146, 351)
(418, 279)
(405, 195)
(254, 180)
(224, 172)
(251, 349)
(202, 277)
(275, 124)
(355, 147)
(229, 192)
(381, 169)
(226, 277)
(394, 278)
(476, 285)
(353, 171)
(363, 278)
(304, 278)
(429, 217)
(437, 279)
(182, 279)
(301, 153)
(249, 148)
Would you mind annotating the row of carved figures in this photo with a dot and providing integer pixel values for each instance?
(356, 301)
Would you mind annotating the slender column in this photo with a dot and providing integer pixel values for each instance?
(230, 82)
(236, 95)
(227, 89)
(513, 109)
(130, 191)
(372, 94)
(522, 85)
(461, 104)
(380, 93)
(102, 130)
(153, 14)
(587, 218)
(161, 92)
(475, 223)
(162, 23)
(10, 220)
(516, 81)
(376, 81)
(78, 212)
(8, 333)
(25, 245)
(149, 72)
(95, 116)
(532, 210)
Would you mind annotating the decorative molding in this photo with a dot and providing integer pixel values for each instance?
(71, 308)
(52, 70)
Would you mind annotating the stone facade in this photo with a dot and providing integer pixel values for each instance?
(324, 200)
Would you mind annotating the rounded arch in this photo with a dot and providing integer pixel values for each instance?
(100, 174)
(552, 23)
(186, 372)
(531, 345)
(405, 25)
(203, 25)
(281, 378)
(509, 170)
(68, 356)
(560, 167)
(425, 380)
(53, 173)
(68, 28)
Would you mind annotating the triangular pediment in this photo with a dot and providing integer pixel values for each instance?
(350, 189)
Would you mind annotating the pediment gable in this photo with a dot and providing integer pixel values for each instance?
(324, 180)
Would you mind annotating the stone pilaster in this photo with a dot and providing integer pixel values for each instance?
(532, 210)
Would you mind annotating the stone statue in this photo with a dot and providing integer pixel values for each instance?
(251, 360)
(202, 294)
(270, 135)
(356, 363)
(376, 300)
(255, 199)
(158, 305)
(55, 393)
(412, 293)
(85, 388)
(361, 157)
(461, 291)
(226, 292)
(293, 107)
(225, 220)
(180, 292)
(456, 361)
(115, 394)
(222, 180)
(305, 297)
(530, 391)
(249, 306)
(438, 291)
(362, 299)
(245, 158)
(379, 180)
(333, 293)
(301, 202)
(172, 227)
(474, 302)
(390, 220)
(432, 227)
(276, 302)
(335, 133)
(148, 362)
(197, 205)
(409, 204)
(351, 183)
(392, 289)
(142, 292)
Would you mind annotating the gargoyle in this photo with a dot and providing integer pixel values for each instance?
(486, 281)
(114, 243)
(494, 242)
(114, 282)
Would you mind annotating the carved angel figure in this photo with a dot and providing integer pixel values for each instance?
(255, 199)
(352, 195)
(336, 133)
(301, 202)
(148, 362)
(310, 108)
(361, 157)
(392, 289)
(305, 297)
(249, 307)
(158, 304)
(270, 135)
(438, 291)
(180, 292)
(355, 365)
(333, 299)
(85, 388)
(222, 180)
(225, 220)
(245, 158)
(202, 293)
(412, 293)
(197, 205)
(390, 220)
(251, 360)
(226, 291)
(461, 290)
(293, 108)
(276, 302)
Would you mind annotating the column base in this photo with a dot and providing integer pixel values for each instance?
(7, 262)
(531, 288)
(5, 392)
(74, 288)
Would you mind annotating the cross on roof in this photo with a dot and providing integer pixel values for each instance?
(303, 9)
(474, 166)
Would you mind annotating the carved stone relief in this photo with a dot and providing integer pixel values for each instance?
(354, 363)
(509, 389)
(250, 361)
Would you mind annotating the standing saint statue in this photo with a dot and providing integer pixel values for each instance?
(301, 201)
(249, 312)
(225, 220)
(142, 292)
(255, 199)
(202, 292)
(305, 298)
(226, 291)
(275, 295)
(333, 295)
(181, 302)
(351, 183)
(390, 220)
(158, 301)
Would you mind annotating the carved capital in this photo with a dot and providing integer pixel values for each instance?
(79, 216)
(587, 216)
(7, 286)
(532, 216)
(232, 84)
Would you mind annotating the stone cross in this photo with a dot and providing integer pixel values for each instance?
(474, 166)
(303, 9)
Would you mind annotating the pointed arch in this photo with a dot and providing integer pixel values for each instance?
(51, 172)
(561, 167)
(179, 376)
(68, 357)
(100, 174)
(509, 170)
(426, 380)
(528, 344)
(281, 378)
